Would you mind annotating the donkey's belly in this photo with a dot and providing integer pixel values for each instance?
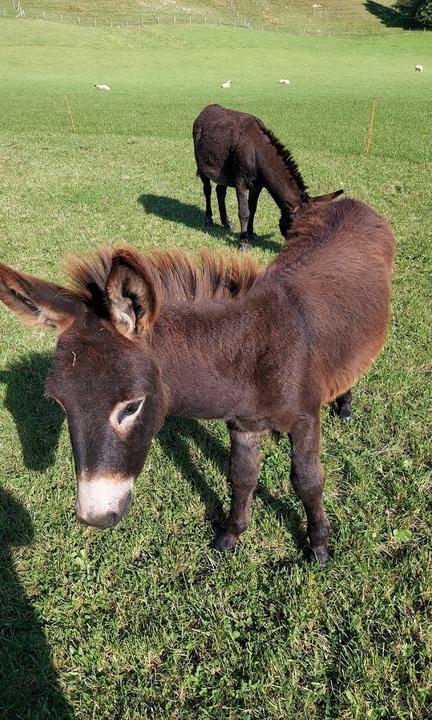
(251, 425)
(220, 177)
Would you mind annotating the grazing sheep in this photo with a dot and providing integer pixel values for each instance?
(419, 68)
(100, 86)
(226, 84)
(284, 82)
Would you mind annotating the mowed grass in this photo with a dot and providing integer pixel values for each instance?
(145, 620)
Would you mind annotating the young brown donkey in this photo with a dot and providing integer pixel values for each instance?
(236, 149)
(143, 336)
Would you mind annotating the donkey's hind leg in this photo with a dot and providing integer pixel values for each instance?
(207, 194)
(343, 405)
(221, 194)
(243, 476)
(307, 478)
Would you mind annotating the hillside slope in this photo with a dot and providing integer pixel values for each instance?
(299, 16)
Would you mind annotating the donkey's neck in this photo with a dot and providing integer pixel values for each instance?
(277, 178)
(205, 355)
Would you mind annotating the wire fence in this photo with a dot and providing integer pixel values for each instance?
(16, 10)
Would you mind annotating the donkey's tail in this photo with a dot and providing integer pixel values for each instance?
(327, 197)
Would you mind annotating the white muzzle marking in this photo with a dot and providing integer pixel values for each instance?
(103, 500)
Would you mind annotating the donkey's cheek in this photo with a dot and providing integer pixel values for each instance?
(103, 500)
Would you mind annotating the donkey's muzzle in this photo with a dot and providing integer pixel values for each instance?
(103, 500)
(100, 521)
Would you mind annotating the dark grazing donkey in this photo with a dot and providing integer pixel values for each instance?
(236, 149)
(143, 336)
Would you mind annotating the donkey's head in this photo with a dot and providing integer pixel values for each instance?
(104, 374)
(287, 214)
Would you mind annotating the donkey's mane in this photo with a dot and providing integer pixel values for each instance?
(177, 276)
(286, 157)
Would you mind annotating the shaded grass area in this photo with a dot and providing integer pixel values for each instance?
(146, 621)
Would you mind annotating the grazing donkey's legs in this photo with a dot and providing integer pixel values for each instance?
(343, 405)
(254, 194)
(243, 208)
(307, 478)
(221, 193)
(207, 194)
(243, 475)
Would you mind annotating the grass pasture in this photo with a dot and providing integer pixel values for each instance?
(146, 621)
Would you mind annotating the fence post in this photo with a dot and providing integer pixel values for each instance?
(371, 123)
(190, 19)
(71, 117)
(142, 22)
(61, 18)
(158, 19)
(174, 20)
(94, 21)
(78, 20)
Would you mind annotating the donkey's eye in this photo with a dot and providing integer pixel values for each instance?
(129, 410)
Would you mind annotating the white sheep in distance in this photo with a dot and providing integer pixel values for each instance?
(419, 68)
(101, 86)
(226, 84)
(284, 82)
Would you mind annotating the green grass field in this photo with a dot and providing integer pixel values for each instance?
(146, 621)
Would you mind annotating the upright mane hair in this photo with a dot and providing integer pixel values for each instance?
(176, 275)
(286, 157)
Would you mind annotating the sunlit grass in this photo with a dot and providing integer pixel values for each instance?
(145, 621)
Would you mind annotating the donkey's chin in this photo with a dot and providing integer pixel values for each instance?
(103, 501)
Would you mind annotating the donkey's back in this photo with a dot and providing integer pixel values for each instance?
(217, 133)
(338, 263)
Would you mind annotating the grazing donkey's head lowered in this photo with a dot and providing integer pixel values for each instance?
(236, 149)
(146, 336)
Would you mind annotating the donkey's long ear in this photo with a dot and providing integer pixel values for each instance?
(37, 301)
(131, 294)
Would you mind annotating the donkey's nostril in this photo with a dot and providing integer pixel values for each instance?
(100, 521)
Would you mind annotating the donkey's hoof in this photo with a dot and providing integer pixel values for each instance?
(345, 413)
(320, 555)
(208, 222)
(226, 541)
(229, 225)
(244, 246)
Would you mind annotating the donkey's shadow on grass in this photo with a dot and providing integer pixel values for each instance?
(28, 682)
(39, 420)
(168, 208)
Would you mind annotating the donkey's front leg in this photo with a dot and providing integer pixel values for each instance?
(243, 475)
(307, 477)
(243, 211)
(254, 194)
